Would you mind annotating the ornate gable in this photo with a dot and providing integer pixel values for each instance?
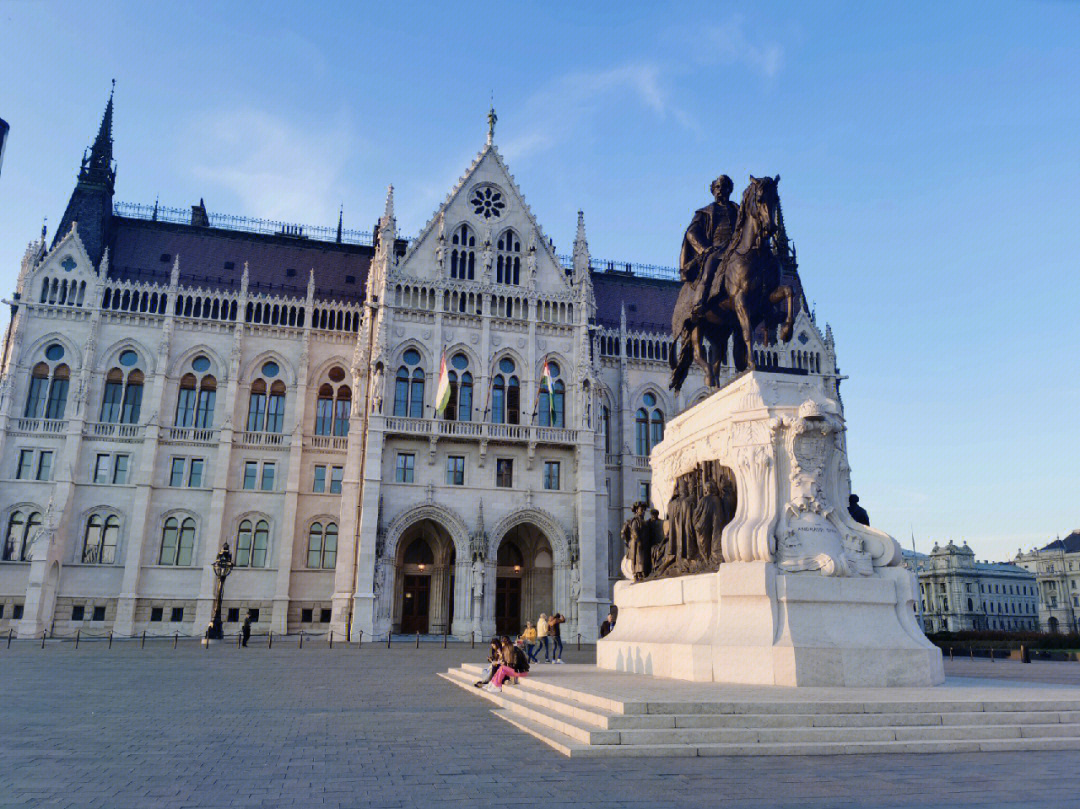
(485, 217)
(64, 274)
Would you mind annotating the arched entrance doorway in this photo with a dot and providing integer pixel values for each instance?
(424, 584)
(1052, 624)
(523, 578)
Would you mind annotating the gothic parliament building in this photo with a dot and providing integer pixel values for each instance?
(173, 381)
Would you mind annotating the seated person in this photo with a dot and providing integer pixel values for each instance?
(494, 659)
(515, 664)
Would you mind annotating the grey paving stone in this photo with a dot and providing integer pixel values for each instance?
(375, 728)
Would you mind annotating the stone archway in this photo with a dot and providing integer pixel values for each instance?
(424, 579)
(524, 578)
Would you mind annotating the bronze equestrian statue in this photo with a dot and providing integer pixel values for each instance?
(731, 282)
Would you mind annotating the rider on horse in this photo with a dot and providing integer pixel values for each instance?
(706, 239)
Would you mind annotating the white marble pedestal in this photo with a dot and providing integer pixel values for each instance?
(805, 596)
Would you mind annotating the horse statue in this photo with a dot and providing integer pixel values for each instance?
(744, 293)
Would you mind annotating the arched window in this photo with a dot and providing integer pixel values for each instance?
(419, 553)
(56, 403)
(197, 396)
(251, 543)
(177, 541)
(605, 427)
(459, 407)
(463, 254)
(648, 425)
(266, 413)
(409, 386)
(506, 394)
(100, 540)
(552, 403)
(322, 546)
(36, 395)
(333, 405)
(508, 258)
(133, 390)
(20, 533)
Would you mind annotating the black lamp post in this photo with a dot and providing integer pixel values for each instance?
(222, 567)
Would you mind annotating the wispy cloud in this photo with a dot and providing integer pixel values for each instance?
(277, 169)
(560, 108)
(729, 44)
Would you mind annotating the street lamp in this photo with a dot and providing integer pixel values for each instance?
(222, 567)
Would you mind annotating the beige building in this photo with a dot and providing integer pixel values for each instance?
(1056, 566)
(958, 593)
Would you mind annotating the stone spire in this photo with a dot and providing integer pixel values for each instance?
(388, 212)
(91, 202)
(581, 249)
(340, 218)
(492, 120)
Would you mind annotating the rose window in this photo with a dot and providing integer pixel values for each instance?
(487, 202)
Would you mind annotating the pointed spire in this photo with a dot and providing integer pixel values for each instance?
(154, 217)
(340, 220)
(311, 285)
(581, 248)
(388, 213)
(98, 166)
(492, 120)
(44, 228)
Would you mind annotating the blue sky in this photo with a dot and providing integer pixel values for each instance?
(929, 155)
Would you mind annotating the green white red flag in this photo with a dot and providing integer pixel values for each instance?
(442, 392)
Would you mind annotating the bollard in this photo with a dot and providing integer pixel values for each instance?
(301, 639)
(142, 643)
(472, 637)
(331, 639)
(360, 639)
(110, 639)
(950, 654)
(579, 642)
(9, 637)
(417, 640)
(176, 637)
(238, 636)
(991, 654)
(43, 634)
(388, 639)
(971, 652)
(77, 633)
(444, 640)
(1025, 653)
(270, 640)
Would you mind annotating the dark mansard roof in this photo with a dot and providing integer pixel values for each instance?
(1070, 544)
(649, 301)
(213, 258)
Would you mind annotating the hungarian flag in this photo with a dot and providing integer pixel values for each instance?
(442, 393)
(548, 384)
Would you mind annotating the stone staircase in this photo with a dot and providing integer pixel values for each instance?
(568, 712)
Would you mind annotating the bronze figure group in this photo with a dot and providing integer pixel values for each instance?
(688, 540)
(731, 282)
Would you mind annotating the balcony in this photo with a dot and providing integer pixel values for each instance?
(481, 431)
(115, 432)
(252, 439)
(49, 426)
(328, 443)
(189, 435)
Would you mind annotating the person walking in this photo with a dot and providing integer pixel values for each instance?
(529, 639)
(542, 637)
(554, 628)
(245, 629)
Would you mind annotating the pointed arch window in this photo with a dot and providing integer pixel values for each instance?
(506, 394)
(459, 408)
(197, 396)
(100, 540)
(409, 386)
(39, 388)
(266, 402)
(322, 546)
(48, 386)
(333, 405)
(463, 253)
(648, 425)
(552, 404)
(508, 258)
(251, 543)
(177, 541)
(21, 528)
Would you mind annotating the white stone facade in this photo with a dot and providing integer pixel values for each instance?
(958, 593)
(115, 530)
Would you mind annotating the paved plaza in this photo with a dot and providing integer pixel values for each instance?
(372, 727)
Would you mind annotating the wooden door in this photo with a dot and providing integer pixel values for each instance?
(508, 606)
(416, 600)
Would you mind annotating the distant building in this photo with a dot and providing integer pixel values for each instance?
(958, 593)
(1057, 568)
